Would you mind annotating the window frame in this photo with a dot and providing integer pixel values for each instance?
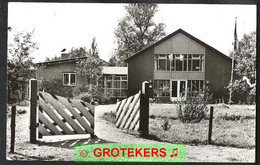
(111, 79)
(172, 59)
(69, 84)
(201, 84)
(163, 91)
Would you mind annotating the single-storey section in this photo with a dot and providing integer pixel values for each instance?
(113, 80)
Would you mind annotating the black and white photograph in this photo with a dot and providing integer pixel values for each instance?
(98, 74)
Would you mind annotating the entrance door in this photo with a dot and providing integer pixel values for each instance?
(178, 89)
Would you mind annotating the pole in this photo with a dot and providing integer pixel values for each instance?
(144, 110)
(232, 67)
(231, 79)
(33, 110)
(13, 128)
(210, 124)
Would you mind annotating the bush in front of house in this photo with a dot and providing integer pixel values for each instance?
(54, 86)
(92, 93)
(193, 107)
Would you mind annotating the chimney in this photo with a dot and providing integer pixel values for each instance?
(64, 54)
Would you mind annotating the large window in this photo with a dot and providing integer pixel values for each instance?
(161, 88)
(195, 85)
(162, 62)
(115, 85)
(179, 62)
(69, 79)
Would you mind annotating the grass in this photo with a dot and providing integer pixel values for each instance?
(233, 126)
(163, 111)
(110, 116)
(170, 110)
(239, 133)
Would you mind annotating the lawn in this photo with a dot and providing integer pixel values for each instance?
(233, 126)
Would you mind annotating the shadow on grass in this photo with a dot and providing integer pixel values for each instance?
(19, 156)
(155, 138)
(197, 142)
(232, 145)
(70, 143)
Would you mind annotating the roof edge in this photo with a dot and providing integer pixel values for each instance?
(65, 60)
(173, 34)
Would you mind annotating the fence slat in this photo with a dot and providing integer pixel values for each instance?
(122, 115)
(54, 117)
(118, 105)
(135, 121)
(90, 107)
(43, 131)
(63, 113)
(48, 124)
(133, 114)
(120, 108)
(137, 126)
(130, 110)
(83, 110)
(82, 122)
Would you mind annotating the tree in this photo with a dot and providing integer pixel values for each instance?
(93, 51)
(136, 31)
(78, 52)
(113, 60)
(19, 62)
(91, 69)
(52, 59)
(245, 65)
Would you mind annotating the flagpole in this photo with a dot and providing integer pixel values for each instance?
(232, 67)
(231, 79)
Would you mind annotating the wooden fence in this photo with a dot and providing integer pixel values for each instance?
(56, 115)
(127, 112)
(133, 112)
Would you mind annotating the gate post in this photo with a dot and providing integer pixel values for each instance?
(33, 110)
(210, 124)
(13, 128)
(144, 110)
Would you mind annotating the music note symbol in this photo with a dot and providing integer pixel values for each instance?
(174, 154)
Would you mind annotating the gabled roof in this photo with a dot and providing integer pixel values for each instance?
(173, 34)
(65, 61)
(115, 70)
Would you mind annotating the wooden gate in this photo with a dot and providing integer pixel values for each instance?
(56, 115)
(127, 112)
(133, 112)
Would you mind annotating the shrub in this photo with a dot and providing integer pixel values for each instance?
(55, 86)
(110, 116)
(92, 93)
(166, 125)
(192, 107)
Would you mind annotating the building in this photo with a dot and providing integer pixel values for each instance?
(113, 80)
(177, 62)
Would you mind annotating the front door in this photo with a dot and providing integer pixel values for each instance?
(178, 89)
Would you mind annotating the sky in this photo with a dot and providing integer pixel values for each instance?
(65, 25)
